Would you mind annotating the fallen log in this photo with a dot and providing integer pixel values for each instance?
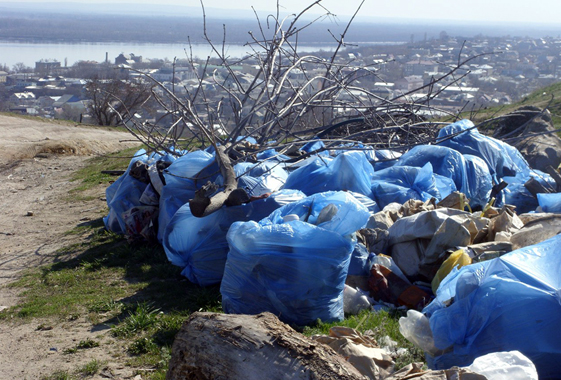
(251, 347)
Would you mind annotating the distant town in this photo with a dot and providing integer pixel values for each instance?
(503, 70)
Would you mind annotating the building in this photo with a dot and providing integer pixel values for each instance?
(46, 66)
(128, 59)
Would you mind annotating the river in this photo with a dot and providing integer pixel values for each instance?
(29, 53)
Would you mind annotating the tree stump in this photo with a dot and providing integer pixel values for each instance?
(251, 347)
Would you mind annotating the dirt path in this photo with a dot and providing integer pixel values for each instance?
(36, 162)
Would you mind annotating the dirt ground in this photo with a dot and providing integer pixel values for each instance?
(36, 162)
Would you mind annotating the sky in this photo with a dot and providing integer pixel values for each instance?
(500, 11)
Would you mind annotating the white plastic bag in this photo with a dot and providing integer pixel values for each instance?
(512, 365)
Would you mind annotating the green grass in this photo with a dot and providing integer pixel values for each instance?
(91, 175)
(91, 368)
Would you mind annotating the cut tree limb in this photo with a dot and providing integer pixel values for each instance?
(204, 204)
(251, 347)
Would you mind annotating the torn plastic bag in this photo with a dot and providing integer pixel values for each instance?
(415, 327)
(180, 186)
(199, 244)
(550, 202)
(348, 171)
(402, 183)
(126, 191)
(452, 164)
(354, 300)
(501, 158)
(294, 269)
(508, 303)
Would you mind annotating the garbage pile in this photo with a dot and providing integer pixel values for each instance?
(462, 233)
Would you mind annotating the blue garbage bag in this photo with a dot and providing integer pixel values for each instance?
(294, 269)
(180, 186)
(550, 202)
(452, 164)
(509, 303)
(125, 193)
(402, 183)
(501, 158)
(199, 244)
(348, 171)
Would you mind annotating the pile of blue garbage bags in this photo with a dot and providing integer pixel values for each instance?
(337, 215)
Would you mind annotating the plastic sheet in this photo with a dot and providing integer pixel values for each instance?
(501, 158)
(294, 269)
(199, 244)
(401, 183)
(348, 171)
(508, 303)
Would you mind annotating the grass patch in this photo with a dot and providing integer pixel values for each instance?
(91, 175)
(91, 368)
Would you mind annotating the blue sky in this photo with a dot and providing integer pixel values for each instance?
(538, 11)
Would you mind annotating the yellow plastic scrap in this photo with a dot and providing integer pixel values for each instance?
(458, 258)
